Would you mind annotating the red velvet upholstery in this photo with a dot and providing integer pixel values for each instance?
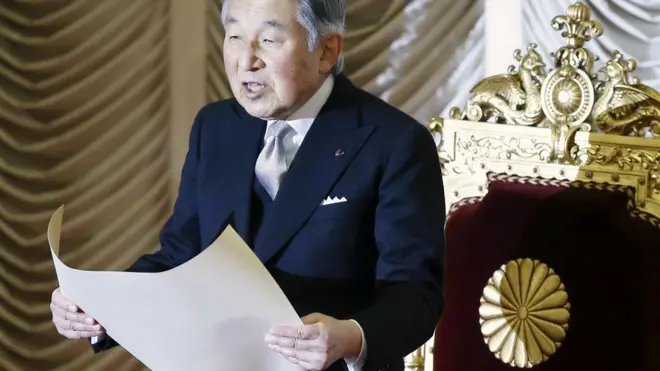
(608, 260)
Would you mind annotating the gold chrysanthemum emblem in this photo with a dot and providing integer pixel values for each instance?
(524, 313)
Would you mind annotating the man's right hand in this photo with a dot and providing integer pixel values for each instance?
(70, 321)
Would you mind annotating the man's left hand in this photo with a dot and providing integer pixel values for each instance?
(317, 344)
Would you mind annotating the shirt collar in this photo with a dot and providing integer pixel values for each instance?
(301, 120)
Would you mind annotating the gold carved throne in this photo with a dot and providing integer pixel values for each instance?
(552, 182)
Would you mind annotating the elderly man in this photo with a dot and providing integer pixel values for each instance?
(339, 194)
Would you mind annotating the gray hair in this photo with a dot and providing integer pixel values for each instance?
(320, 18)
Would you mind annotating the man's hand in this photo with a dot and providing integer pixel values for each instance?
(70, 321)
(317, 344)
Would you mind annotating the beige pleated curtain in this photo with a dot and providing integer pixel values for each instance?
(84, 106)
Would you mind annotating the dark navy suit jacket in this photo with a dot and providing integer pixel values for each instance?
(376, 258)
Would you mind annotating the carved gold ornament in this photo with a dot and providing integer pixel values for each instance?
(626, 106)
(524, 313)
(571, 97)
(568, 96)
(514, 97)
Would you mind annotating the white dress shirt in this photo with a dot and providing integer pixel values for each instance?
(301, 121)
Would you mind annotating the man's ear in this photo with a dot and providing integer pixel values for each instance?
(331, 47)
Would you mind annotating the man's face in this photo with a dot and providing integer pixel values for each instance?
(269, 66)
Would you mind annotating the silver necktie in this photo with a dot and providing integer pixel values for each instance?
(271, 164)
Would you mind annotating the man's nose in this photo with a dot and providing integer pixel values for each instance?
(250, 61)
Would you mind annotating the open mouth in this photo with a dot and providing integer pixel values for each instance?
(253, 86)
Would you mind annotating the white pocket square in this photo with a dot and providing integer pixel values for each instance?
(333, 200)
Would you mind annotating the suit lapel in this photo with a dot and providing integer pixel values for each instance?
(246, 138)
(329, 147)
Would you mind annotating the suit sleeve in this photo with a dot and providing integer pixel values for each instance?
(180, 236)
(409, 232)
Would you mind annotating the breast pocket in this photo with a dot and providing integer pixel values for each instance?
(342, 210)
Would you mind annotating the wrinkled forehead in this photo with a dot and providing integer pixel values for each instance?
(276, 12)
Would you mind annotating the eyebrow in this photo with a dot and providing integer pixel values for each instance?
(270, 23)
(275, 24)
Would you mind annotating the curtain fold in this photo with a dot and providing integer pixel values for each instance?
(84, 119)
(630, 26)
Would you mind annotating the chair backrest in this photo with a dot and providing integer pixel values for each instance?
(566, 159)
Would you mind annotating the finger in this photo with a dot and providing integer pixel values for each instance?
(62, 324)
(84, 327)
(74, 317)
(89, 334)
(299, 332)
(62, 302)
(302, 355)
(71, 334)
(89, 320)
(65, 314)
(65, 325)
(300, 344)
(308, 361)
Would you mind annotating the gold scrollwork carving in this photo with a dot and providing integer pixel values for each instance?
(579, 28)
(513, 97)
(500, 148)
(625, 106)
(625, 159)
(436, 126)
(572, 97)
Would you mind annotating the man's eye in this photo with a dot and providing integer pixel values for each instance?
(268, 41)
(233, 37)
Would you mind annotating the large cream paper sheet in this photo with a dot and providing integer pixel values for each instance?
(209, 314)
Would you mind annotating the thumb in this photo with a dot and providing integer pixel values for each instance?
(313, 318)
